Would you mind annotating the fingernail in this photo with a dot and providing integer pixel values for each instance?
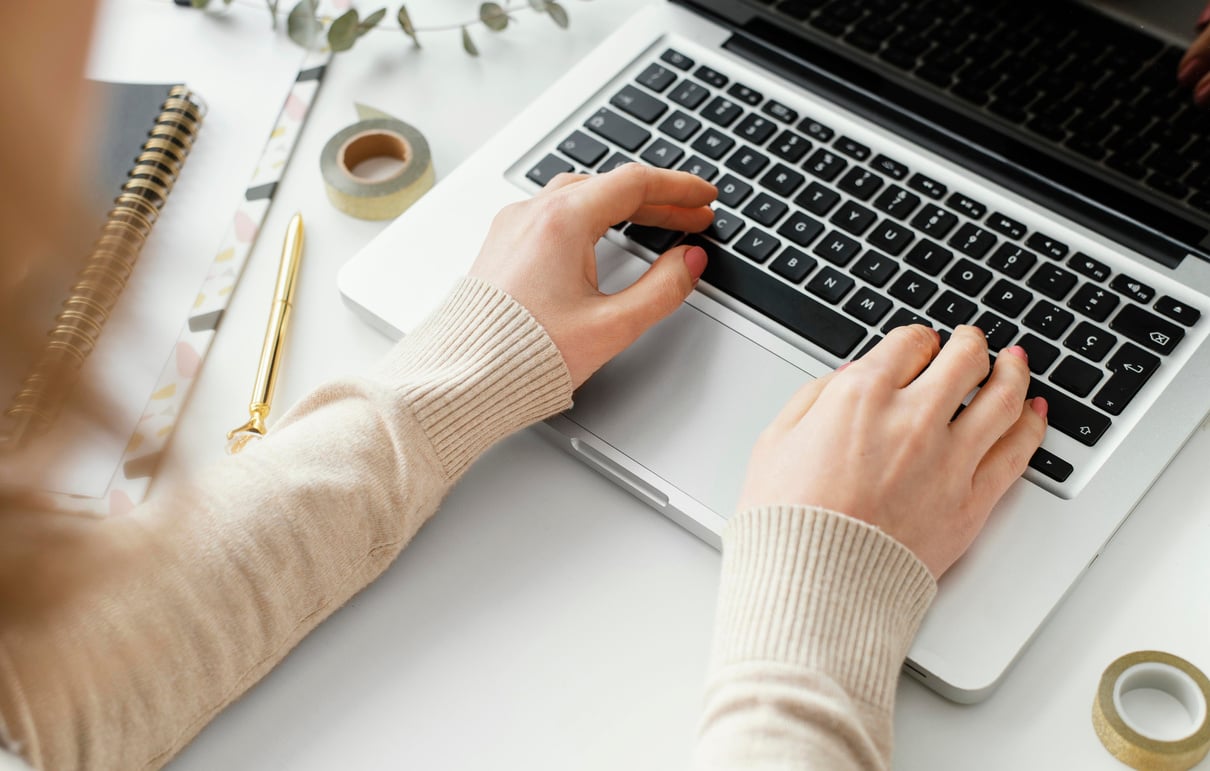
(844, 366)
(1039, 405)
(695, 261)
(1202, 94)
(1189, 71)
(1204, 19)
(1018, 351)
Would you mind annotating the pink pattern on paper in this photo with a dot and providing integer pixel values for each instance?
(187, 360)
(245, 228)
(295, 108)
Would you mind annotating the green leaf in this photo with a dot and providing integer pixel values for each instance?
(343, 32)
(468, 45)
(493, 16)
(405, 22)
(199, 3)
(302, 26)
(557, 13)
(539, 5)
(371, 21)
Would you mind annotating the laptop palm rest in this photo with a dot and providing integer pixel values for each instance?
(687, 401)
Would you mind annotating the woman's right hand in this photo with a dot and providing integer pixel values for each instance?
(875, 440)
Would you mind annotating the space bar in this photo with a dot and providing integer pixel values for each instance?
(791, 308)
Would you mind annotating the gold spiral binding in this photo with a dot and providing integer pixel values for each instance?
(100, 282)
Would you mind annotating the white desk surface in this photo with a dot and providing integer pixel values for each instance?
(546, 619)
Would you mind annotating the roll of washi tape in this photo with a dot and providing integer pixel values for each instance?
(1122, 735)
(377, 135)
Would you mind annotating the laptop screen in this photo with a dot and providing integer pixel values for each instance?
(1057, 96)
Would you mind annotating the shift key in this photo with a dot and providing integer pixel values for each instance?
(1069, 416)
(617, 129)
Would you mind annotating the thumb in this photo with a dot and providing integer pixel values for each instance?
(660, 290)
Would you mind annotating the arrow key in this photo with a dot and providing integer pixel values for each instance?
(1051, 465)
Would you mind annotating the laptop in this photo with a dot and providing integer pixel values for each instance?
(1027, 167)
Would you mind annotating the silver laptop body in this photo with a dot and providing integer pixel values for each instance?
(673, 419)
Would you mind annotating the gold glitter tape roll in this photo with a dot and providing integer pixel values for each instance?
(376, 136)
(1125, 739)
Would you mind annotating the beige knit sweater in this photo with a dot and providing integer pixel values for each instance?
(121, 638)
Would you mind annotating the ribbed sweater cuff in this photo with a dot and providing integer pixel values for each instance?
(809, 587)
(476, 370)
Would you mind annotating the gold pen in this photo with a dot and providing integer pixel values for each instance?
(275, 336)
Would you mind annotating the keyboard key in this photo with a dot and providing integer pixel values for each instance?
(680, 126)
(614, 161)
(793, 265)
(913, 288)
(1094, 302)
(689, 94)
(1041, 353)
(755, 129)
(825, 165)
(868, 306)
(836, 248)
(790, 146)
(757, 245)
(968, 206)
(656, 78)
(1050, 465)
(1048, 319)
(710, 77)
(999, 332)
(722, 111)
(1012, 260)
(1147, 329)
(1007, 298)
(1178, 311)
(662, 153)
(745, 94)
(1069, 416)
(766, 209)
(890, 237)
(1002, 223)
(1043, 243)
(747, 161)
(951, 309)
(677, 59)
(852, 148)
(782, 180)
(827, 328)
(1132, 287)
(713, 144)
(725, 226)
(801, 229)
(616, 129)
(853, 218)
(934, 221)
(656, 239)
(973, 240)
(545, 169)
(830, 284)
(897, 202)
(583, 149)
(929, 257)
(817, 199)
(733, 191)
(860, 183)
(968, 278)
(889, 166)
(930, 187)
(816, 130)
(1090, 341)
(875, 268)
(1094, 269)
(700, 167)
(902, 318)
(1130, 369)
(779, 111)
(1052, 281)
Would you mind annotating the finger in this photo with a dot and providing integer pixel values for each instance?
(1009, 456)
(562, 180)
(1196, 61)
(802, 401)
(657, 293)
(961, 365)
(1204, 19)
(674, 217)
(901, 355)
(997, 405)
(618, 194)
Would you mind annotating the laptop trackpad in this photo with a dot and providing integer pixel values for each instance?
(688, 400)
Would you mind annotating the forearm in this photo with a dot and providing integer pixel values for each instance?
(122, 637)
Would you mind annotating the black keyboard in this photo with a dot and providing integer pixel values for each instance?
(1070, 76)
(840, 242)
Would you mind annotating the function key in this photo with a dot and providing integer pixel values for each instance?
(1043, 243)
(1132, 287)
(656, 78)
(545, 169)
(710, 77)
(583, 148)
(889, 166)
(930, 187)
(677, 59)
(1094, 269)
(1147, 329)
(779, 111)
(1004, 224)
(1177, 310)
(1050, 464)
(745, 94)
(852, 148)
(968, 206)
(815, 129)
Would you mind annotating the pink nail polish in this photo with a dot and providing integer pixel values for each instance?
(695, 261)
(1204, 19)
(1201, 94)
(1039, 405)
(1190, 71)
(1018, 351)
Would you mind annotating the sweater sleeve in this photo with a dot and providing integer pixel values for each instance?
(120, 638)
(816, 613)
